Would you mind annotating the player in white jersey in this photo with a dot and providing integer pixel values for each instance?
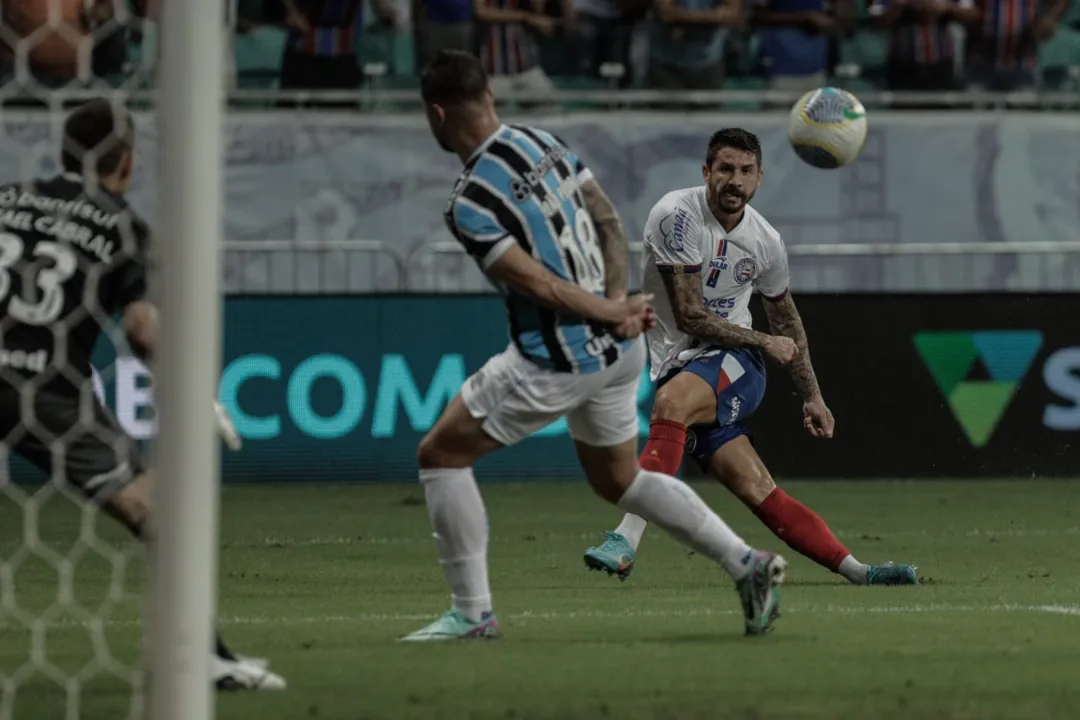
(539, 225)
(707, 250)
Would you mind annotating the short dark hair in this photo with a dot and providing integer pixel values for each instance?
(453, 77)
(733, 138)
(99, 132)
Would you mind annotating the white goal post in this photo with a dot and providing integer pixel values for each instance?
(190, 121)
(72, 603)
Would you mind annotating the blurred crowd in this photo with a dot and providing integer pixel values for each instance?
(542, 45)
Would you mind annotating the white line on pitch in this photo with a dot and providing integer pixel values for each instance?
(540, 537)
(330, 540)
(527, 615)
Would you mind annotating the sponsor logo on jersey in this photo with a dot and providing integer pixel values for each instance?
(34, 361)
(736, 407)
(520, 189)
(717, 305)
(550, 159)
(673, 230)
(745, 270)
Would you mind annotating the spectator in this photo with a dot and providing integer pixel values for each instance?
(1003, 51)
(54, 59)
(320, 52)
(557, 56)
(508, 44)
(922, 53)
(795, 40)
(441, 25)
(687, 43)
(601, 33)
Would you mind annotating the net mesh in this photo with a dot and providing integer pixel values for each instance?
(70, 580)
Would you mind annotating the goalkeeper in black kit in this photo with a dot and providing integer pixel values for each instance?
(72, 256)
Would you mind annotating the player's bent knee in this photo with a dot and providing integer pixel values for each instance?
(443, 448)
(686, 399)
(609, 470)
(667, 406)
(431, 453)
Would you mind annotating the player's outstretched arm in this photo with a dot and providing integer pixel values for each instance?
(694, 319)
(784, 320)
(518, 271)
(612, 239)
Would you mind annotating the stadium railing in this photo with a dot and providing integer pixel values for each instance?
(408, 265)
(379, 98)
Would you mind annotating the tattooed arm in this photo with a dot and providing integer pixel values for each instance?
(784, 320)
(694, 319)
(609, 234)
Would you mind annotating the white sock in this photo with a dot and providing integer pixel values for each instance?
(672, 505)
(632, 527)
(853, 570)
(460, 527)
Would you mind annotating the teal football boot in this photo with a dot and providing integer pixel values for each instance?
(615, 556)
(759, 591)
(452, 625)
(891, 574)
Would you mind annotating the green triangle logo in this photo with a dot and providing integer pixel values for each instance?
(978, 406)
(948, 356)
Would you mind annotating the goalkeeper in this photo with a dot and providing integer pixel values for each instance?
(72, 255)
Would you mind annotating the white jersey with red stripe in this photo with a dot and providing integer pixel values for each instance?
(682, 236)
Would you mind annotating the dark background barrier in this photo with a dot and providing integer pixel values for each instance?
(934, 386)
(342, 389)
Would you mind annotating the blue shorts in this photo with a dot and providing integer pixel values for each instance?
(738, 375)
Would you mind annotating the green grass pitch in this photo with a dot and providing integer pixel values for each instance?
(322, 579)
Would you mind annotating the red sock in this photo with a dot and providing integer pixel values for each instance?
(801, 528)
(663, 453)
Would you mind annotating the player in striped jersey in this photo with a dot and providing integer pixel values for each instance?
(540, 227)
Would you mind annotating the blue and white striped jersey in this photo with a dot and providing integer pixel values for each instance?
(523, 185)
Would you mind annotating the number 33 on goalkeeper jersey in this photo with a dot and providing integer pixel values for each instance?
(523, 186)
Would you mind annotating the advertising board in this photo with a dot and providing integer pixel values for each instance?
(343, 388)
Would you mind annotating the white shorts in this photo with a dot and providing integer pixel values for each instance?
(516, 398)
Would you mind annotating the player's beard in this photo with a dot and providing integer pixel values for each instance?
(439, 131)
(728, 205)
(441, 138)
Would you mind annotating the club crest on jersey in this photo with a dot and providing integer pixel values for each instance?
(745, 270)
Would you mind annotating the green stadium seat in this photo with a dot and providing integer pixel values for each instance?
(260, 50)
(1062, 50)
(396, 49)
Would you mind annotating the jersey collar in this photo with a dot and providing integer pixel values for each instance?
(484, 145)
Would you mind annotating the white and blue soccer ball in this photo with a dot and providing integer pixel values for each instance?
(827, 127)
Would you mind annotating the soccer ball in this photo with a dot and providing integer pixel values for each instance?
(827, 127)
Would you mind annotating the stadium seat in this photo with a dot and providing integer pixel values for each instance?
(1057, 56)
(260, 50)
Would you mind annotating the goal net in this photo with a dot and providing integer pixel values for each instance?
(73, 583)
